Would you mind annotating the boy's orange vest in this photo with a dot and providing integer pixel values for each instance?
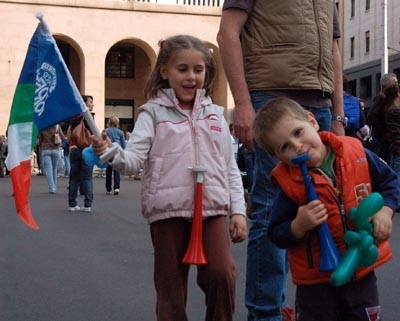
(353, 184)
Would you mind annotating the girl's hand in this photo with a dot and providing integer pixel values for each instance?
(382, 222)
(100, 144)
(308, 217)
(238, 228)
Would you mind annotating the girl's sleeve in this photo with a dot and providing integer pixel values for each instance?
(130, 160)
(283, 213)
(238, 205)
(384, 180)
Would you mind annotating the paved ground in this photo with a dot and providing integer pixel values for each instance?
(98, 267)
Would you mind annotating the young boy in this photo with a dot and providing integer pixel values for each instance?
(343, 173)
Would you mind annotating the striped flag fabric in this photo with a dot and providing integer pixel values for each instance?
(45, 95)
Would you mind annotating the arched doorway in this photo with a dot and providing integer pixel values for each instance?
(127, 67)
(73, 57)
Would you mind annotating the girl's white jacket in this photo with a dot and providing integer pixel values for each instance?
(167, 143)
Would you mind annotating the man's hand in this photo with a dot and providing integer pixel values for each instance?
(382, 222)
(308, 217)
(238, 228)
(243, 118)
(101, 144)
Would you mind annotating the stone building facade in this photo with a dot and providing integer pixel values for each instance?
(109, 46)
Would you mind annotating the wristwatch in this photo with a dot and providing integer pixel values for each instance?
(340, 119)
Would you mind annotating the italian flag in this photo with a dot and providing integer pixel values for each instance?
(45, 95)
(22, 135)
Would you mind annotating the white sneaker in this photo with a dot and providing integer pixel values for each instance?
(74, 208)
(86, 209)
(116, 191)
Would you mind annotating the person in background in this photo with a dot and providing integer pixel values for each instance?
(65, 153)
(390, 117)
(352, 111)
(235, 141)
(116, 135)
(376, 119)
(269, 49)
(50, 142)
(81, 174)
(3, 155)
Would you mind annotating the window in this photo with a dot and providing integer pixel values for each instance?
(351, 47)
(367, 42)
(366, 87)
(367, 5)
(120, 62)
(352, 8)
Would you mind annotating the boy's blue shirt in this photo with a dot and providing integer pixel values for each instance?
(383, 179)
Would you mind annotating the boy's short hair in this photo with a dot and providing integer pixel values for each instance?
(270, 114)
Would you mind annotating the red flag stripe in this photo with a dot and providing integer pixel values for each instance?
(21, 179)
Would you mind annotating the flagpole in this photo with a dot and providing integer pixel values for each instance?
(39, 15)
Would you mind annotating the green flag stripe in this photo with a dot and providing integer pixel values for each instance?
(22, 106)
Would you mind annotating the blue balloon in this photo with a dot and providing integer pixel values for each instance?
(91, 159)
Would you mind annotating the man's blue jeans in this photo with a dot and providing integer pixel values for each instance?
(267, 265)
(80, 173)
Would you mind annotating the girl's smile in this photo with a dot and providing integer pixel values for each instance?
(185, 72)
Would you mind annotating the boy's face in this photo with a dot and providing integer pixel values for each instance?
(292, 137)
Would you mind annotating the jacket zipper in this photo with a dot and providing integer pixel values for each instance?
(310, 260)
(194, 135)
(339, 200)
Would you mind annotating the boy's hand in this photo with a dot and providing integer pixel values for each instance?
(238, 228)
(382, 222)
(308, 217)
(100, 144)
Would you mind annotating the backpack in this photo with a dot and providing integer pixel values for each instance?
(352, 112)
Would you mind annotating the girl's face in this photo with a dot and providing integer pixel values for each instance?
(185, 72)
(291, 137)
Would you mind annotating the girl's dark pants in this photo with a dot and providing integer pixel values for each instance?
(217, 279)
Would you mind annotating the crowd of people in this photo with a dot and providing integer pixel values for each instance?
(285, 105)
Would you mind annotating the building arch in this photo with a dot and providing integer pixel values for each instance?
(73, 57)
(128, 64)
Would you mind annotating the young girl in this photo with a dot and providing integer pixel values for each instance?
(178, 129)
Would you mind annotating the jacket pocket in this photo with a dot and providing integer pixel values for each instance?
(155, 176)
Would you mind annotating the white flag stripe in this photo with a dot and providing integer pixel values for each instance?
(19, 144)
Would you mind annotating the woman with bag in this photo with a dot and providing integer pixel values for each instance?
(81, 174)
(50, 142)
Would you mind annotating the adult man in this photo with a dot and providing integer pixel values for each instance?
(269, 49)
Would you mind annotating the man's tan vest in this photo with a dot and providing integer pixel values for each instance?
(287, 44)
